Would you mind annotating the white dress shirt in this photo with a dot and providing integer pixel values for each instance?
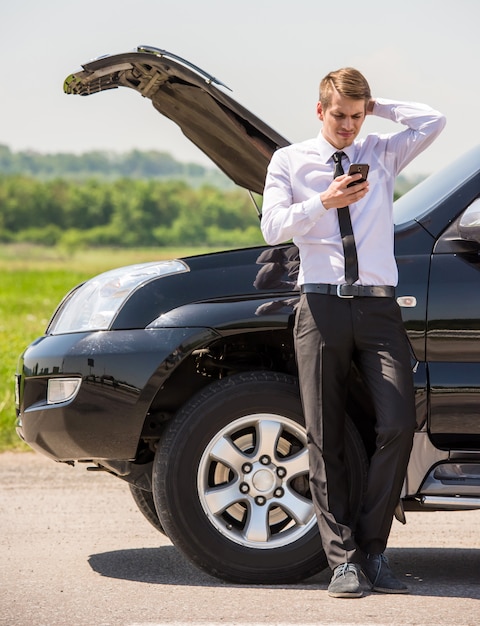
(299, 173)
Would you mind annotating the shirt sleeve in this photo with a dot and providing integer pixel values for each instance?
(423, 124)
(282, 218)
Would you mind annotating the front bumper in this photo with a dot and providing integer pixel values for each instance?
(121, 372)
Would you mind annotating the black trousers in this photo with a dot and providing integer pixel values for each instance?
(329, 333)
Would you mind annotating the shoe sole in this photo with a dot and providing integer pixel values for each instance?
(345, 594)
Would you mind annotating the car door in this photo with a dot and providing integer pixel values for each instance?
(453, 334)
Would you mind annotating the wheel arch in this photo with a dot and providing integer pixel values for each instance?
(222, 356)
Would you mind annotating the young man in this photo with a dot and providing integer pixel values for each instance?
(347, 310)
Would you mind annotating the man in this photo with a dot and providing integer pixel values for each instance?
(347, 310)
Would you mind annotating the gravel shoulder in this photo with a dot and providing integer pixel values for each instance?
(75, 551)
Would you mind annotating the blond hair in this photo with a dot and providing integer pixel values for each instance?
(349, 83)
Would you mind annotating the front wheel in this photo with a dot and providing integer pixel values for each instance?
(230, 481)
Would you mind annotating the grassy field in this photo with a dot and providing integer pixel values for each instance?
(33, 281)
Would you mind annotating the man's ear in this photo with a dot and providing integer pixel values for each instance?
(320, 111)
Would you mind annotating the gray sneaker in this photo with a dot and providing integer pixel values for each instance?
(381, 578)
(345, 583)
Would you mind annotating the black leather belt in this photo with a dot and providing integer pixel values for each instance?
(350, 291)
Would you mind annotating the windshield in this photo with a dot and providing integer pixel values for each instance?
(429, 193)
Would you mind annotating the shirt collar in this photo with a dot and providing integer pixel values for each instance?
(326, 150)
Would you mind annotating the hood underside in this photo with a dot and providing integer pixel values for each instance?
(238, 142)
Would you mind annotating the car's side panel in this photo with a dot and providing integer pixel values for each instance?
(231, 315)
(411, 294)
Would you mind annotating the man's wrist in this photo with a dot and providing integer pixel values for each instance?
(323, 196)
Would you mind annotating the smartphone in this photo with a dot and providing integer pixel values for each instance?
(358, 168)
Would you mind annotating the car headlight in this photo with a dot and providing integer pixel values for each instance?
(94, 305)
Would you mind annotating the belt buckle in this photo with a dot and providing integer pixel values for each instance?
(342, 295)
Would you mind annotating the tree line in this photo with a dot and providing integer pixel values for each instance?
(124, 212)
(130, 199)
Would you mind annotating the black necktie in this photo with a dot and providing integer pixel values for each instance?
(346, 231)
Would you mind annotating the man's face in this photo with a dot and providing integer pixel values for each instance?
(342, 120)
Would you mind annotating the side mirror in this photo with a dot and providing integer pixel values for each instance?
(469, 227)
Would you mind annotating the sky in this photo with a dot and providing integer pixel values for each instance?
(271, 53)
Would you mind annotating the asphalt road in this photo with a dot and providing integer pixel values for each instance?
(75, 551)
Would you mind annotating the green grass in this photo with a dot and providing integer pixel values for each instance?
(33, 280)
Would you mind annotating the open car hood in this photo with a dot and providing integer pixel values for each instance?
(237, 141)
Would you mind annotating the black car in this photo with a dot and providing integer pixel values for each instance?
(179, 377)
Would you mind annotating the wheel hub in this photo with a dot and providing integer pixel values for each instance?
(262, 481)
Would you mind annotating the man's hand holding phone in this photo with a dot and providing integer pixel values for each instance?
(341, 193)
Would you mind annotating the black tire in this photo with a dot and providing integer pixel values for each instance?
(237, 441)
(144, 500)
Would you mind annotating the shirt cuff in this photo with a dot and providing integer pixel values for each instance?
(313, 208)
(384, 108)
